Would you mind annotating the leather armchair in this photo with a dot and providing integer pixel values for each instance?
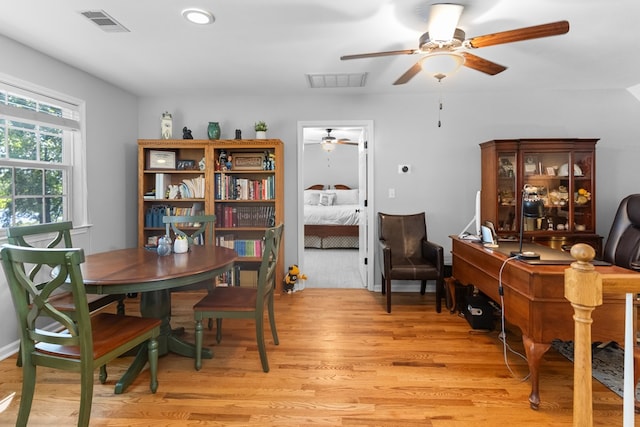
(405, 253)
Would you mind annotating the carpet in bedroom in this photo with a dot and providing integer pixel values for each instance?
(331, 268)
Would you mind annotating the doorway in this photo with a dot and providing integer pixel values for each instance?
(357, 136)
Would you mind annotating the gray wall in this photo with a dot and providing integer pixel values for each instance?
(445, 160)
(111, 126)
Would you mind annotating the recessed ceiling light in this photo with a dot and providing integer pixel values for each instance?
(198, 16)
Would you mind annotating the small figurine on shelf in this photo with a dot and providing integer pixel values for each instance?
(222, 160)
(186, 133)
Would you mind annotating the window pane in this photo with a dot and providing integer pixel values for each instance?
(6, 192)
(3, 148)
(50, 109)
(51, 148)
(28, 211)
(28, 182)
(22, 145)
(18, 101)
(54, 209)
(53, 180)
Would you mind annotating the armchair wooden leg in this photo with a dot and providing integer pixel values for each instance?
(423, 287)
(388, 292)
(439, 292)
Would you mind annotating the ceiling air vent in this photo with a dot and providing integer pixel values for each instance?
(104, 21)
(317, 81)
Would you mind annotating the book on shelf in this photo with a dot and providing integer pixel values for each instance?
(244, 216)
(162, 183)
(248, 248)
(231, 187)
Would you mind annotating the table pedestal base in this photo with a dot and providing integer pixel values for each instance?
(158, 304)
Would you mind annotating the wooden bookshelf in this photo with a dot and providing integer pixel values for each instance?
(241, 181)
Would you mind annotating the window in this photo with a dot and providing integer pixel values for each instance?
(41, 178)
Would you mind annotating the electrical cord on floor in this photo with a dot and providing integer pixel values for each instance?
(503, 335)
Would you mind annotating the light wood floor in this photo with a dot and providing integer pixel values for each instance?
(342, 361)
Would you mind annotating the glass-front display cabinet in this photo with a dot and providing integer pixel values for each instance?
(559, 172)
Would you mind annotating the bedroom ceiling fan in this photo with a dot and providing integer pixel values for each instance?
(445, 49)
(329, 142)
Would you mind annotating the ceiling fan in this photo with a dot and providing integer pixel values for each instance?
(445, 48)
(330, 142)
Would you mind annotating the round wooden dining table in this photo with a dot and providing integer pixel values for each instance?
(140, 270)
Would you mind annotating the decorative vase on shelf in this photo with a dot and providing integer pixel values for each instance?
(261, 134)
(166, 125)
(213, 130)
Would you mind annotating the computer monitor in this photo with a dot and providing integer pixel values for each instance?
(475, 220)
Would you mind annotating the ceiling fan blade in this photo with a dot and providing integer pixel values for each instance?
(528, 33)
(376, 54)
(481, 64)
(408, 75)
(443, 20)
(346, 141)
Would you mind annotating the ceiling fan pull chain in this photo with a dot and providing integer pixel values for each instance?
(440, 105)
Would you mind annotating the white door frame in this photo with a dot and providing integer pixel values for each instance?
(367, 125)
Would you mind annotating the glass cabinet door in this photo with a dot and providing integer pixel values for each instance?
(507, 192)
(564, 187)
(583, 196)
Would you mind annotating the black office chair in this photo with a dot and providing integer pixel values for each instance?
(623, 249)
(623, 244)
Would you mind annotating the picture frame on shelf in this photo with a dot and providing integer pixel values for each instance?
(531, 165)
(186, 164)
(161, 159)
(551, 171)
(247, 161)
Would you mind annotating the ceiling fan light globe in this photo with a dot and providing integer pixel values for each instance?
(327, 146)
(442, 63)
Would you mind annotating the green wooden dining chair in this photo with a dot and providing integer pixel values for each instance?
(57, 234)
(85, 342)
(197, 229)
(237, 302)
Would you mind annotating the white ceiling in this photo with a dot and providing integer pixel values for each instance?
(267, 46)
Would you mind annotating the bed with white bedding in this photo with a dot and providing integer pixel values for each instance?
(331, 217)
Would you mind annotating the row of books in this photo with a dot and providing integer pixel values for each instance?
(244, 247)
(189, 188)
(153, 215)
(244, 216)
(238, 277)
(231, 187)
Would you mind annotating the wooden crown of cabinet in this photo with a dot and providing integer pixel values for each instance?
(239, 181)
(562, 173)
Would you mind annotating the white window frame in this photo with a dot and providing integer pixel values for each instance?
(77, 205)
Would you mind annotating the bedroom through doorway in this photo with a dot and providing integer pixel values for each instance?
(333, 177)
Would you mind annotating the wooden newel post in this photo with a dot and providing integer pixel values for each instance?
(583, 288)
